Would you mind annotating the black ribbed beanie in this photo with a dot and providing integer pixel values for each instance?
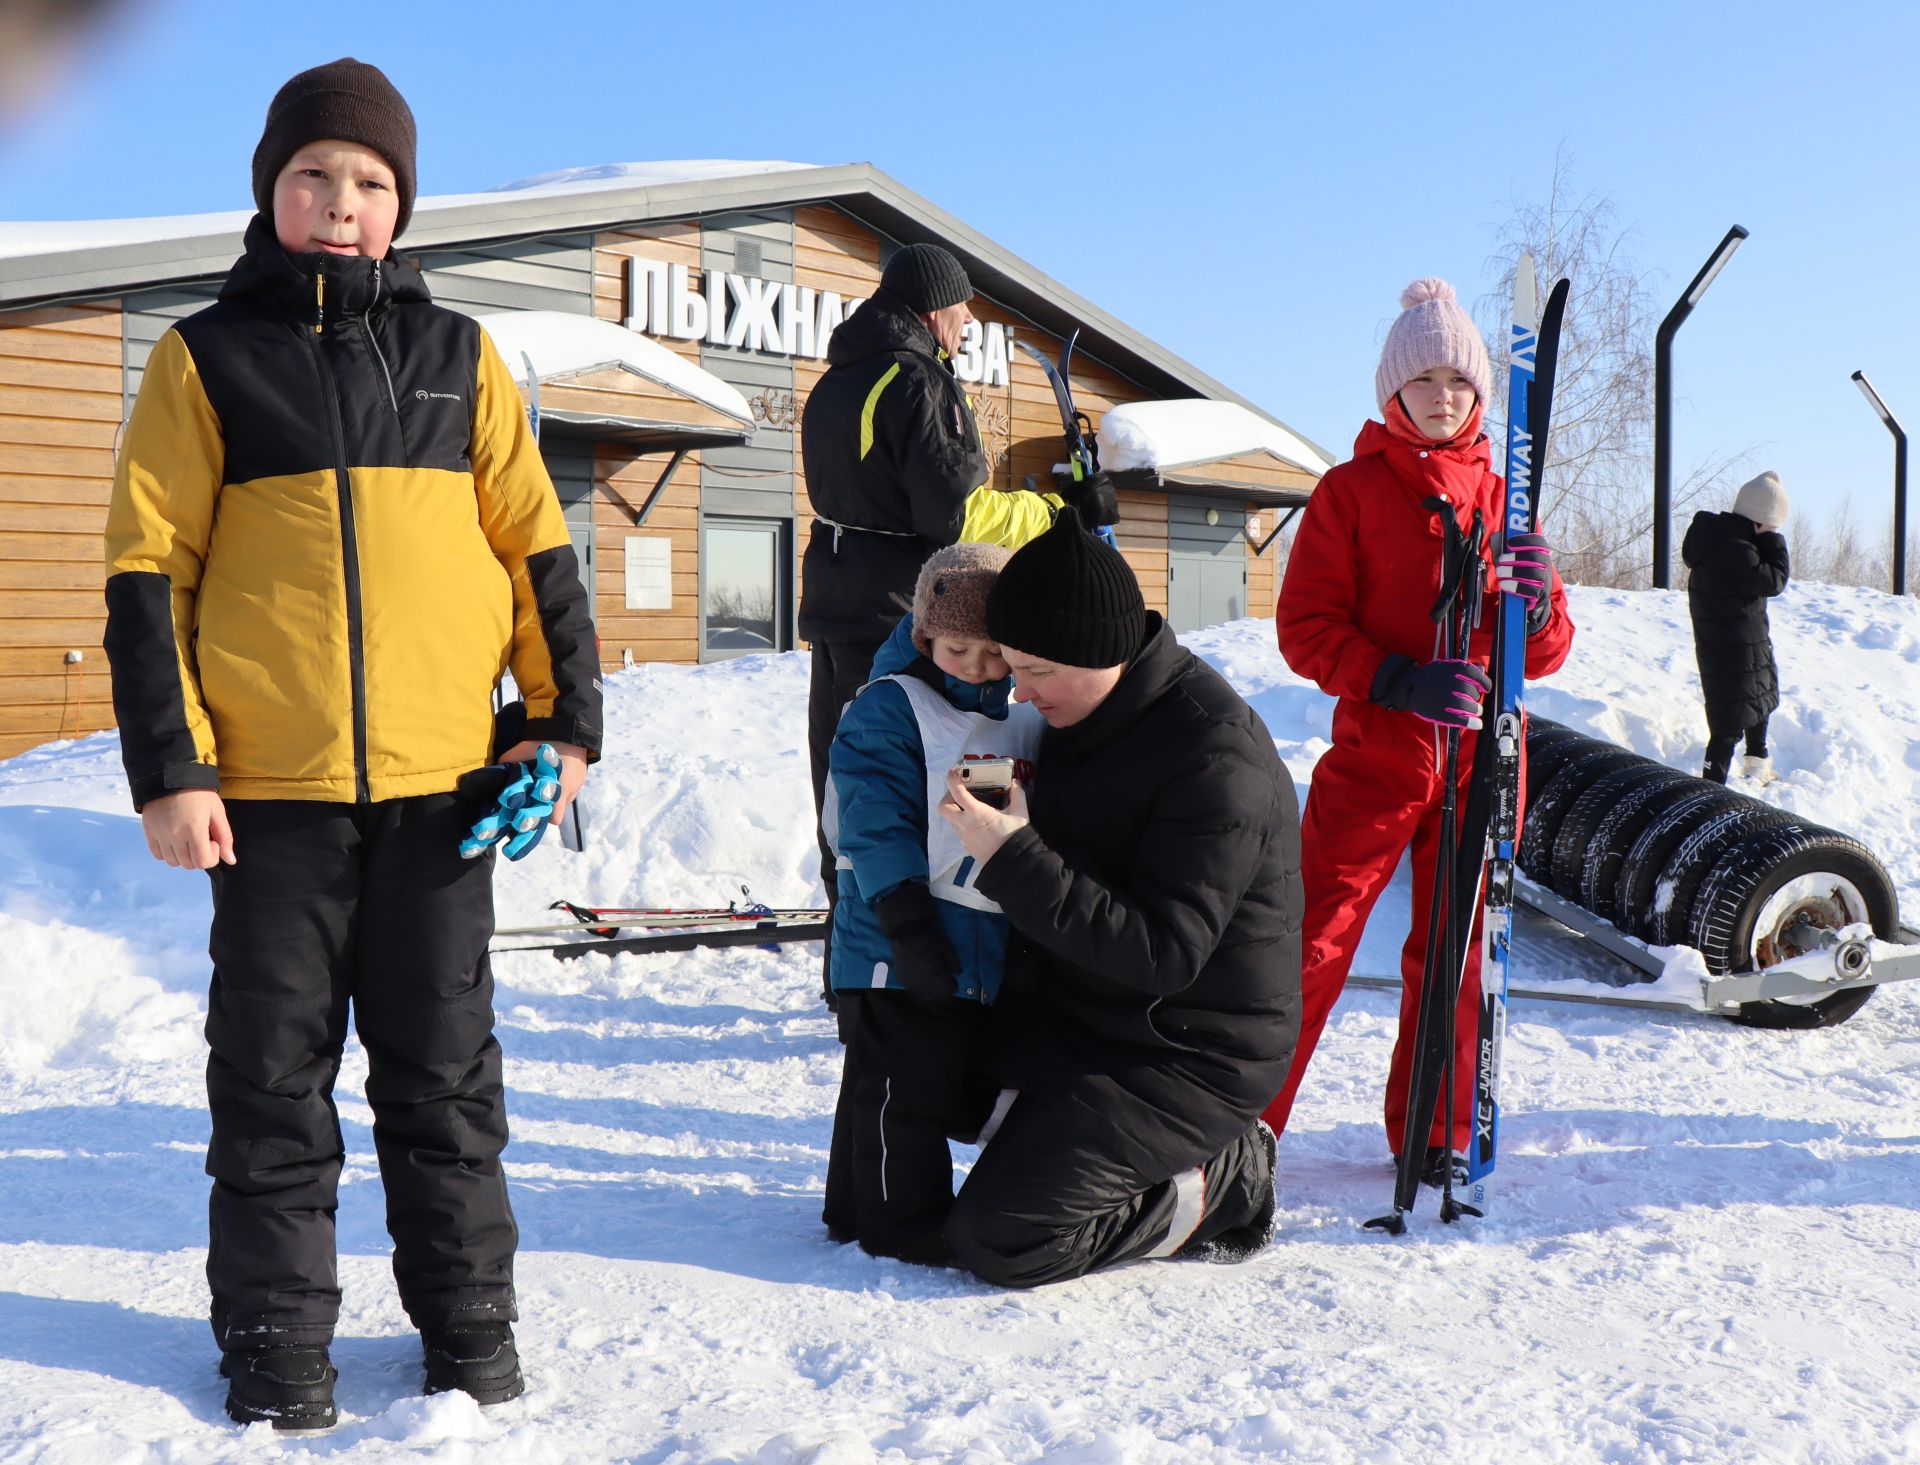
(347, 99)
(926, 277)
(1069, 597)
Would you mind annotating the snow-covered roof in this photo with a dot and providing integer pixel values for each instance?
(1178, 434)
(43, 263)
(567, 345)
(32, 237)
(641, 175)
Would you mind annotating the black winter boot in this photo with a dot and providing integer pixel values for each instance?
(290, 1385)
(1238, 1242)
(476, 1358)
(1433, 1169)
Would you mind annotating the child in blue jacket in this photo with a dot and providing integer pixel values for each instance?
(917, 951)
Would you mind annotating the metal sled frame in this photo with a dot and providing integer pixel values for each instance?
(1845, 958)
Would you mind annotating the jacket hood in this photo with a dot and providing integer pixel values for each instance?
(882, 323)
(1711, 530)
(899, 657)
(1456, 473)
(346, 284)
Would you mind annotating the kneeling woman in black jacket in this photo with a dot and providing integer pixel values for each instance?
(1152, 995)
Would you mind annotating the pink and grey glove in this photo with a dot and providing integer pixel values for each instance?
(1448, 693)
(1524, 567)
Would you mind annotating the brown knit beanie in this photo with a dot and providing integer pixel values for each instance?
(950, 597)
(346, 99)
(1070, 598)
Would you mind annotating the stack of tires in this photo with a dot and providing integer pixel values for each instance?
(1678, 860)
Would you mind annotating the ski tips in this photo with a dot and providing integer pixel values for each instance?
(1526, 296)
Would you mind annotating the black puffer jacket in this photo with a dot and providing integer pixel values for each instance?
(890, 445)
(1156, 903)
(1735, 569)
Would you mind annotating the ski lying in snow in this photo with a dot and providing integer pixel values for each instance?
(609, 920)
(772, 930)
(1531, 359)
(1083, 443)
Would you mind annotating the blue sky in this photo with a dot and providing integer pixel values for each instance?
(1250, 184)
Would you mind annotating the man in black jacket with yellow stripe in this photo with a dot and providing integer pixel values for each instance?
(895, 470)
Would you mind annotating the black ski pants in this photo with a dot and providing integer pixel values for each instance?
(840, 668)
(915, 1074)
(370, 906)
(1058, 1192)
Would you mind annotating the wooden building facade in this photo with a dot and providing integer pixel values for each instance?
(689, 518)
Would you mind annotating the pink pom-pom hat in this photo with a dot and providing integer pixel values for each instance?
(1433, 330)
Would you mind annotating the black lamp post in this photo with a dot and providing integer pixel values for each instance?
(1663, 402)
(1899, 480)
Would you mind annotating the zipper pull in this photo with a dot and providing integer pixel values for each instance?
(376, 286)
(319, 302)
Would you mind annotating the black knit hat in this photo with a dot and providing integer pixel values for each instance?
(1069, 597)
(346, 99)
(926, 277)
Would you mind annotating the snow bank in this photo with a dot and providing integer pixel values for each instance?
(1700, 1247)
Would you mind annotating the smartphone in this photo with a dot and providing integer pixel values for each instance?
(990, 780)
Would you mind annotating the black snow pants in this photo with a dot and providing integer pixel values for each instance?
(370, 905)
(915, 1074)
(1720, 746)
(840, 668)
(1054, 1197)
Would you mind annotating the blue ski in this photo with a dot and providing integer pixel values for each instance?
(1534, 348)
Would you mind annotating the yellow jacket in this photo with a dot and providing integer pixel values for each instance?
(331, 532)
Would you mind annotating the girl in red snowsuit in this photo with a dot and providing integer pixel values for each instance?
(1355, 617)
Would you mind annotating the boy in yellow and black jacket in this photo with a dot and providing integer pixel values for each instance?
(331, 533)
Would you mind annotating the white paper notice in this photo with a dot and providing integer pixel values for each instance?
(649, 572)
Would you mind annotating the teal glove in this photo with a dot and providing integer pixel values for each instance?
(523, 797)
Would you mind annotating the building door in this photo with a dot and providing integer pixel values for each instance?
(1206, 562)
(745, 587)
(570, 465)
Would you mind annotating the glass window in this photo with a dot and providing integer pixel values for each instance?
(743, 606)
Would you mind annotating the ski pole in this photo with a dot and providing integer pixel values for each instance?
(1471, 586)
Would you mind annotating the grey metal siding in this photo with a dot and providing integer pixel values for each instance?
(147, 316)
(570, 465)
(755, 478)
(524, 274)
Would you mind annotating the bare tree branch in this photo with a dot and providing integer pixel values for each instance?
(1597, 486)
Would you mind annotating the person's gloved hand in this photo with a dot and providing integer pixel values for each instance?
(1524, 567)
(1095, 502)
(522, 797)
(923, 958)
(1445, 692)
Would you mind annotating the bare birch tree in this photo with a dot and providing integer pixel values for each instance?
(1597, 494)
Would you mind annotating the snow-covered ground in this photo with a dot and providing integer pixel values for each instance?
(1702, 1247)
